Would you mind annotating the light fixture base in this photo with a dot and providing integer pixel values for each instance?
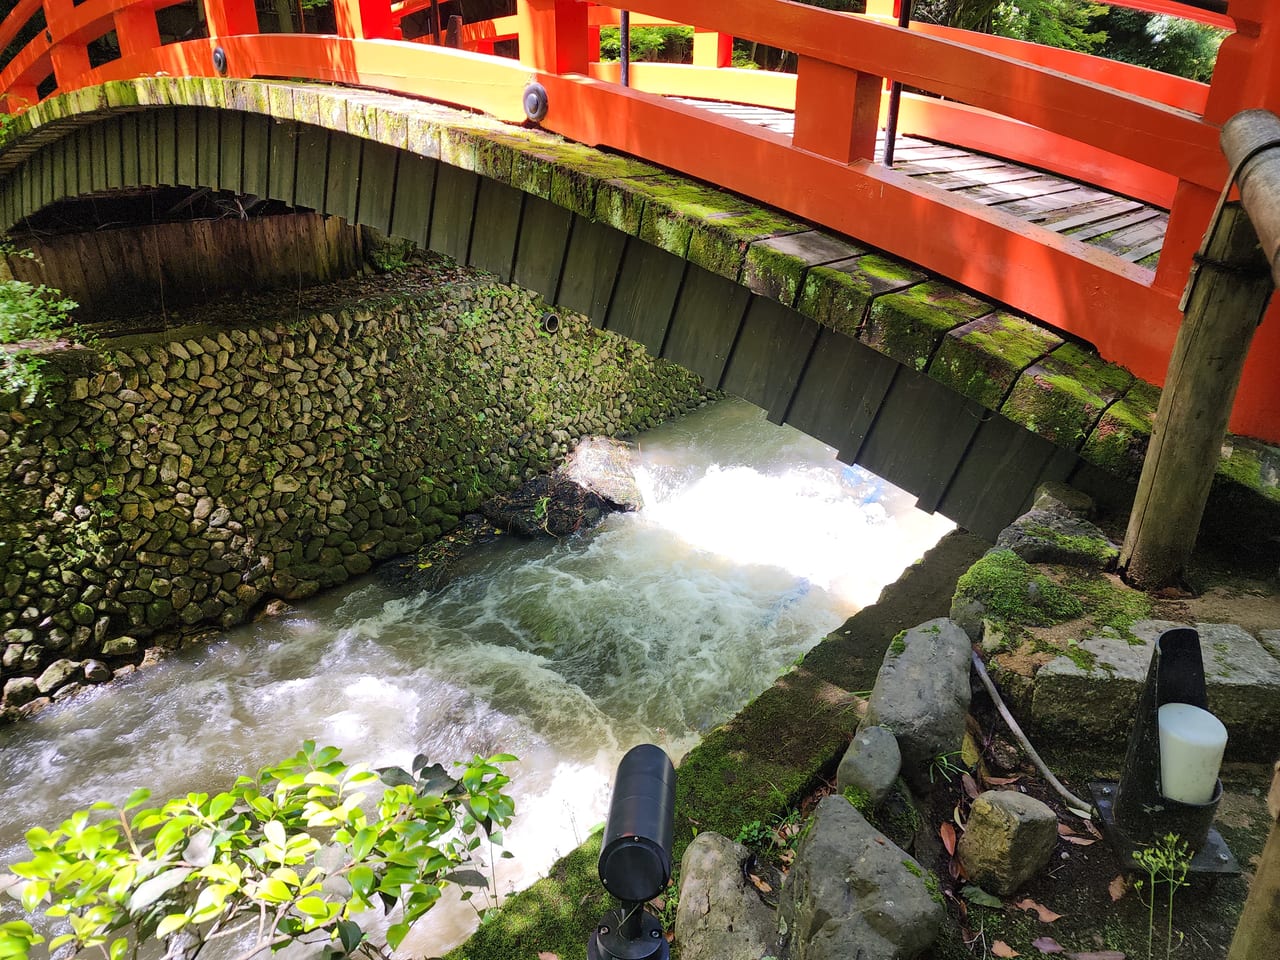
(1213, 859)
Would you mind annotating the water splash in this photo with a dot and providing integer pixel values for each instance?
(656, 626)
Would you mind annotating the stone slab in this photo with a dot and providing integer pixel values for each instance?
(1242, 678)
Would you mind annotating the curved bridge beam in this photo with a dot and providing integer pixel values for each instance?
(965, 406)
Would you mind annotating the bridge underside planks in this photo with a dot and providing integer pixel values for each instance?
(962, 458)
(1129, 229)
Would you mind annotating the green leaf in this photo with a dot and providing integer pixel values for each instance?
(395, 777)
(137, 798)
(171, 924)
(220, 804)
(976, 895)
(503, 758)
(396, 934)
(169, 836)
(350, 934)
(273, 890)
(363, 843)
(361, 879)
(155, 888)
(119, 947)
(274, 831)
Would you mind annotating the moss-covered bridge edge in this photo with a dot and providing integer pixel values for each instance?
(645, 245)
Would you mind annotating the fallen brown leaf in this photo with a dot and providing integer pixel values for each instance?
(1047, 945)
(1097, 955)
(760, 885)
(1003, 781)
(1002, 949)
(1079, 841)
(970, 787)
(1118, 888)
(948, 834)
(545, 955)
(1044, 913)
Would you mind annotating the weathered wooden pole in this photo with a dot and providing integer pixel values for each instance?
(1258, 931)
(1224, 303)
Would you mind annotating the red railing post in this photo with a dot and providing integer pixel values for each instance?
(369, 19)
(553, 35)
(70, 58)
(229, 18)
(136, 30)
(837, 110)
(712, 49)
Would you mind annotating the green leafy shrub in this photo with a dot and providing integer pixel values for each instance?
(294, 854)
(667, 44)
(30, 312)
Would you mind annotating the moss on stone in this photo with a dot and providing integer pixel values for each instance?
(555, 915)
(898, 645)
(1118, 443)
(422, 137)
(837, 296)
(1015, 594)
(772, 273)
(1110, 603)
(619, 205)
(1253, 465)
(1098, 548)
(1062, 396)
(982, 359)
(908, 326)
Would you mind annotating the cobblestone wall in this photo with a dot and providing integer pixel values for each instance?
(192, 477)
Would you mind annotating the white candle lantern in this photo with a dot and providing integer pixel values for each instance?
(1192, 741)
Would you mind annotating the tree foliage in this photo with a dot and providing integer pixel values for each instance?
(295, 854)
(1170, 44)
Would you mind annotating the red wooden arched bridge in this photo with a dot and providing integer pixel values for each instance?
(1138, 148)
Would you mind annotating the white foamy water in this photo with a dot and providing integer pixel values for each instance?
(656, 626)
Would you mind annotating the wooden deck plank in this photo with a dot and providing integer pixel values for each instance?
(1016, 190)
(1115, 223)
(1089, 213)
(1034, 209)
(1005, 173)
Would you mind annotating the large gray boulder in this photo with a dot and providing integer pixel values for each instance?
(871, 764)
(721, 915)
(922, 695)
(1009, 838)
(853, 893)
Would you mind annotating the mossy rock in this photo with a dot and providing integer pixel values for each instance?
(1007, 589)
(555, 915)
(908, 326)
(1063, 395)
(983, 358)
(837, 296)
(1118, 444)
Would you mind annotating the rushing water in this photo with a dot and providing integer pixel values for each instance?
(753, 544)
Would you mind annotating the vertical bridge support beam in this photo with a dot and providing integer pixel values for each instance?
(229, 18)
(712, 49)
(70, 57)
(837, 110)
(1259, 928)
(553, 35)
(1222, 308)
(365, 19)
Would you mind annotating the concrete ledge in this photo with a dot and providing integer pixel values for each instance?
(1097, 700)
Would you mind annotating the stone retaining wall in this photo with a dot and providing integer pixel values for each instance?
(191, 477)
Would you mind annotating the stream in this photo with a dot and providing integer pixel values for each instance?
(655, 626)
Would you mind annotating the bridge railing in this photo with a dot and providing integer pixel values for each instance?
(1132, 130)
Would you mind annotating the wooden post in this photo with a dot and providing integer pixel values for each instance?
(228, 18)
(1258, 931)
(1221, 312)
(837, 110)
(553, 35)
(368, 19)
(712, 49)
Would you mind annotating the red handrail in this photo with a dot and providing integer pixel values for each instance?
(1137, 131)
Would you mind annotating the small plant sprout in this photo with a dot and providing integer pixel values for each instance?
(946, 766)
(1166, 861)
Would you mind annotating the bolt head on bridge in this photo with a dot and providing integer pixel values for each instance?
(535, 101)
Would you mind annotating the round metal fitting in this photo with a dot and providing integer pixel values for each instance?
(535, 101)
(220, 61)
